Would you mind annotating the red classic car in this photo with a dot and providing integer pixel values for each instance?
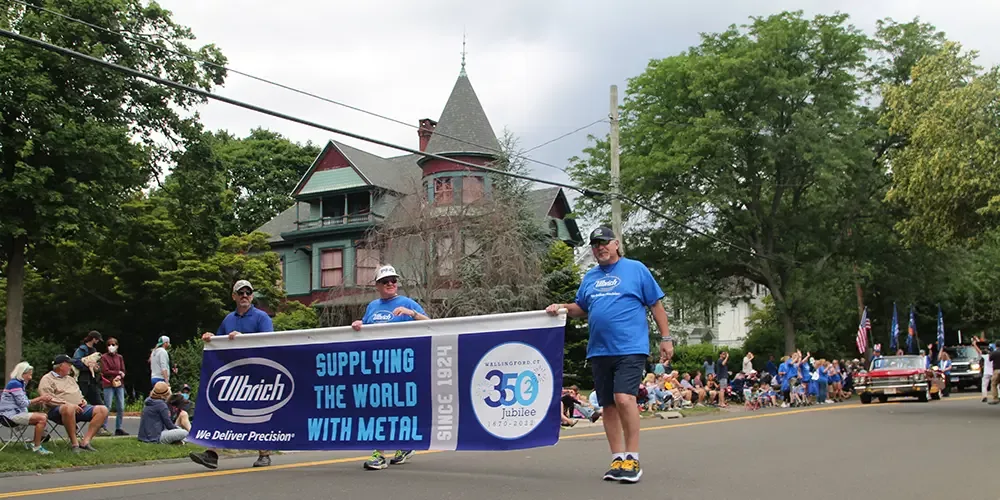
(899, 376)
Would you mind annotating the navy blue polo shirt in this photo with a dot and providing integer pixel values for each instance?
(254, 321)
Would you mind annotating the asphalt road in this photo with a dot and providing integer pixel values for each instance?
(889, 451)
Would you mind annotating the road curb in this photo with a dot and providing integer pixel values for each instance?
(81, 468)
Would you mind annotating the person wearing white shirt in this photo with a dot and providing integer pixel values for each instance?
(987, 366)
(747, 365)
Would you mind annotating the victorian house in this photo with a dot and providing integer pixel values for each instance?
(346, 192)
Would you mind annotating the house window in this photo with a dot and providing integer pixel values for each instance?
(331, 268)
(472, 189)
(445, 258)
(367, 265)
(333, 206)
(443, 193)
(359, 203)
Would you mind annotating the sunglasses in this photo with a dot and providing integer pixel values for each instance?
(386, 281)
(244, 293)
(599, 243)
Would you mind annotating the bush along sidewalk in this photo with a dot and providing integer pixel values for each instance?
(17, 458)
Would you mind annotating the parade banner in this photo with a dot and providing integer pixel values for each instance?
(472, 383)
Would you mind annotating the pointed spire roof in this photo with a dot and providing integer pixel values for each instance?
(463, 127)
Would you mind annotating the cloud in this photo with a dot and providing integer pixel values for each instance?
(540, 68)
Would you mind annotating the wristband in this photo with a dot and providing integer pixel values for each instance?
(667, 339)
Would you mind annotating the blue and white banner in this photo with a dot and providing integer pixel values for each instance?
(473, 383)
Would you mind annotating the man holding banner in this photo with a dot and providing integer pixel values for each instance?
(245, 319)
(390, 307)
(614, 297)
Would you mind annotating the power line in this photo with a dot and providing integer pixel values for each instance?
(209, 95)
(138, 38)
(567, 134)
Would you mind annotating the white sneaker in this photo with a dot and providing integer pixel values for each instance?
(784, 405)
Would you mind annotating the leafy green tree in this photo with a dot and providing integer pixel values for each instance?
(947, 175)
(295, 316)
(754, 136)
(76, 140)
(262, 169)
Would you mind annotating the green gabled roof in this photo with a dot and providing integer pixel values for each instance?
(332, 180)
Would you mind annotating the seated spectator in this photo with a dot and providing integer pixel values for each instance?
(155, 424)
(14, 404)
(593, 401)
(67, 405)
(178, 414)
(582, 405)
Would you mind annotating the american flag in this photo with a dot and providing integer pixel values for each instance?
(863, 328)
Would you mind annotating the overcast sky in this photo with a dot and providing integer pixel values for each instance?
(540, 68)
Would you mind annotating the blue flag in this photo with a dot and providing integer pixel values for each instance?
(940, 330)
(893, 331)
(911, 337)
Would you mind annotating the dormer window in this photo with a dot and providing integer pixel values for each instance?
(443, 191)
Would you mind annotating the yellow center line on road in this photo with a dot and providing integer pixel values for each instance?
(200, 475)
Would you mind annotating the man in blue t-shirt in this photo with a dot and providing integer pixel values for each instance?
(614, 296)
(245, 319)
(390, 307)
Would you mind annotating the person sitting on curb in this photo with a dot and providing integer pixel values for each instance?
(178, 414)
(67, 405)
(155, 424)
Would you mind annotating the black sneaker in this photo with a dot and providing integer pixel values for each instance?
(631, 472)
(120, 432)
(207, 458)
(401, 457)
(615, 472)
(262, 461)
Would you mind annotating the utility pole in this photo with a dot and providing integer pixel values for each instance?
(616, 204)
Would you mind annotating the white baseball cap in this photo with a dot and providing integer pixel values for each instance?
(242, 284)
(385, 272)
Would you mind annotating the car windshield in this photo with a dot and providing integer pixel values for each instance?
(897, 362)
(961, 352)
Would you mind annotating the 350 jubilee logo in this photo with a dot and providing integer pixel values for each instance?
(510, 404)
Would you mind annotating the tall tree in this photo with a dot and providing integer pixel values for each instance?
(262, 168)
(947, 175)
(77, 140)
(755, 136)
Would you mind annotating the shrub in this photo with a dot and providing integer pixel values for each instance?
(689, 358)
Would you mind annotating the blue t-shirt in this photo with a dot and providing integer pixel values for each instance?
(615, 298)
(822, 374)
(380, 311)
(254, 321)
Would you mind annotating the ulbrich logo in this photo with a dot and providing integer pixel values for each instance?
(249, 390)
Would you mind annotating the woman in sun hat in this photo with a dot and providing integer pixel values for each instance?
(155, 424)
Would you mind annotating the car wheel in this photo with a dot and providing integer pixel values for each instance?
(866, 398)
(925, 396)
(936, 395)
(883, 399)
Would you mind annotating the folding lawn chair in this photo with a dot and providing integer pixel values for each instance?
(57, 429)
(15, 434)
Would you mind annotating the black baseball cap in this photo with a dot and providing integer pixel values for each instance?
(603, 233)
(60, 359)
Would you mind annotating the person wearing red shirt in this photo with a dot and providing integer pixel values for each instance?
(112, 380)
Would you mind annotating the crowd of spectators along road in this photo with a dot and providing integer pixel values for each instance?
(82, 389)
(796, 380)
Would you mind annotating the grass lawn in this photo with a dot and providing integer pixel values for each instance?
(16, 458)
(699, 410)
